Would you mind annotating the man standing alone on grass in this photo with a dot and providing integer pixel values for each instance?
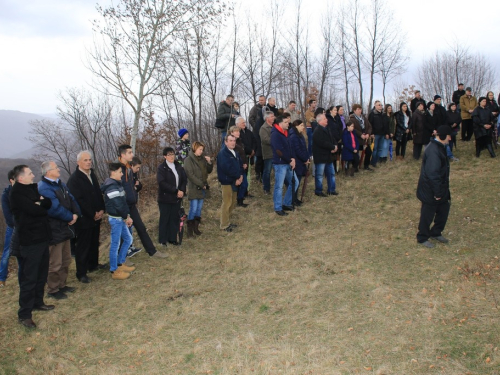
(33, 232)
(433, 189)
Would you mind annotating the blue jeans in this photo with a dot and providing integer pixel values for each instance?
(223, 137)
(309, 132)
(329, 171)
(4, 263)
(266, 175)
(119, 230)
(385, 148)
(195, 206)
(378, 148)
(283, 175)
(242, 189)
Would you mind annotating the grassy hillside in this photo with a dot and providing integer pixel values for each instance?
(337, 287)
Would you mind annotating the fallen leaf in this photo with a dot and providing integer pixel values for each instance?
(30, 349)
(368, 368)
(197, 340)
(488, 360)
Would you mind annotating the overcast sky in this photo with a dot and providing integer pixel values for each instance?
(42, 42)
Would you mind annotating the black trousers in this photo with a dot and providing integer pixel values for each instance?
(141, 230)
(34, 263)
(401, 146)
(87, 250)
(429, 213)
(467, 129)
(259, 166)
(368, 155)
(417, 150)
(169, 222)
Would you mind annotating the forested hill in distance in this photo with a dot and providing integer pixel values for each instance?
(15, 130)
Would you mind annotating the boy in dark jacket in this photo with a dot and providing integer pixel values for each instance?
(119, 221)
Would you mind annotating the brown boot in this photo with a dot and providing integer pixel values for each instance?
(190, 228)
(197, 221)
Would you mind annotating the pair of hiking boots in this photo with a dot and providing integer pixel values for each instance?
(192, 227)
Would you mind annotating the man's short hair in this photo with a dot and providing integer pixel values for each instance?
(356, 106)
(268, 114)
(112, 167)
(319, 111)
(292, 102)
(460, 84)
(230, 96)
(417, 91)
(286, 115)
(168, 150)
(10, 175)
(46, 167)
(238, 120)
(280, 119)
(226, 138)
(80, 154)
(18, 171)
(196, 145)
(122, 149)
(234, 128)
(135, 161)
(377, 101)
(311, 101)
(262, 96)
(318, 116)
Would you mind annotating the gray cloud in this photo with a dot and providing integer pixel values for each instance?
(46, 18)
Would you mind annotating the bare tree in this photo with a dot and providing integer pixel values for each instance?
(134, 37)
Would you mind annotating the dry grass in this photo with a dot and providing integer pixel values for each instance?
(337, 287)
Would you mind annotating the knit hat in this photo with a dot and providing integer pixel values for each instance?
(437, 97)
(182, 132)
(429, 104)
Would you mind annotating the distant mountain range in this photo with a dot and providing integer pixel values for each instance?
(15, 130)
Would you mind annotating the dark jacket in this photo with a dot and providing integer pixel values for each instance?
(419, 129)
(430, 126)
(322, 145)
(380, 125)
(240, 149)
(88, 196)
(224, 115)
(255, 114)
(414, 103)
(7, 214)
(282, 151)
(249, 141)
(31, 219)
(273, 109)
(182, 150)
(197, 170)
(128, 184)
(114, 198)
(348, 149)
(482, 116)
(61, 212)
(434, 181)
(457, 95)
(360, 130)
(299, 149)
(400, 124)
(167, 189)
(439, 115)
(453, 117)
(334, 127)
(265, 141)
(493, 106)
(228, 167)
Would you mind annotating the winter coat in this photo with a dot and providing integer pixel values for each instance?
(322, 145)
(128, 184)
(380, 125)
(434, 181)
(493, 106)
(88, 195)
(359, 130)
(61, 212)
(467, 103)
(439, 115)
(430, 126)
(272, 109)
(348, 149)
(7, 214)
(453, 117)
(294, 115)
(482, 116)
(309, 117)
(228, 167)
(255, 114)
(265, 141)
(249, 141)
(401, 126)
(392, 124)
(334, 127)
(31, 219)
(299, 149)
(414, 103)
(240, 149)
(114, 198)
(282, 151)
(419, 128)
(167, 189)
(182, 150)
(457, 95)
(197, 170)
(224, 115)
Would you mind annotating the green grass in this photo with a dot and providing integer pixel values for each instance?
(337, 287)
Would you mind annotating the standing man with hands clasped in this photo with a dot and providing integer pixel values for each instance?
(434, 189)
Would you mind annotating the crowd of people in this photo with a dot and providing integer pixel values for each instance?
(46, 220)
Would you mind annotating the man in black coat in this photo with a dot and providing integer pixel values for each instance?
(433, 189)
(33, 233)
(457, 95)
(417, 99)
(249, 142)
(256, 119)
(85, 187)
(323, 148)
